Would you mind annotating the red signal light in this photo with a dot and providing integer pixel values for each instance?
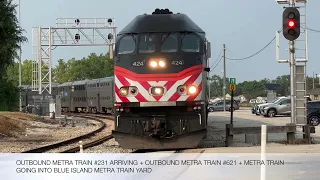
(291, 23)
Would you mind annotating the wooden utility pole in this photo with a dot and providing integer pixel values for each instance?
(224, 77)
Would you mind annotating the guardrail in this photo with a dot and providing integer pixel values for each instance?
(289, 129)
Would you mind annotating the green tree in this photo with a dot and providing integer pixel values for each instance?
(13, 72)
(11, 35)
(91, 67)
(284, 82)
(252, 89)
(60, 72)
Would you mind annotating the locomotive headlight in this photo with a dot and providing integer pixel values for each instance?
(192, 89)
(123, 91)
(157, 62)
(161, 63)
(158, 90)
(153, 64)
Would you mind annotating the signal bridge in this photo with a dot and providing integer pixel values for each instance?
(68, 32)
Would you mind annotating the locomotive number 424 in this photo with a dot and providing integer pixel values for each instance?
(177, 63)
(138, 63)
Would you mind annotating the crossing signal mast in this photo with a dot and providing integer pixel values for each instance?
(294, 29)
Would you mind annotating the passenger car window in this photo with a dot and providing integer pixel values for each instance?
(147, 43)
(220, 103)
(190, 43)
(127, 45)
(169, 43)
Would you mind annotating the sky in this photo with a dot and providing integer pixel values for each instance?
(243, 26)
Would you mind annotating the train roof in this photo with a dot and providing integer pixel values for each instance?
(106, 79)
(65, 84)
(160, 22)
(92, 81)
(81, 82)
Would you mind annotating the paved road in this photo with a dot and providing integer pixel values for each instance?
(244, 118)
(296, 166)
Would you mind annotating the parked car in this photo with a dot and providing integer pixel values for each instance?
(313, 113)
(280, 107)
(257, 108)
(218, 106)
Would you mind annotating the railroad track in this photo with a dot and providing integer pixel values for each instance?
(151, 150)
(88, 145)
(71, 141)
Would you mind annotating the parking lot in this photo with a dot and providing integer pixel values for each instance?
(244, 118)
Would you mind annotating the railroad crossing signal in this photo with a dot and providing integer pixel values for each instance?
(232, 87)
(232, 81)
(291, 23)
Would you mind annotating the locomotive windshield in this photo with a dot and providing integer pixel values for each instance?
(190, 43)
(165, 42)
(147, 43)
(169, 42)
(127, 44)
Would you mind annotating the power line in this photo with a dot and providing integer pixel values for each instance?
(262, 49)
(230, 51)
(216, 64)
(217, 58)
(314, 30)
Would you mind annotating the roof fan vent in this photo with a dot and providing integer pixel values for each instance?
(162, 11)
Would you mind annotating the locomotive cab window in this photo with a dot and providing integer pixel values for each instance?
(127, 45)
(190, 43)
(147, 43)
(169, 43)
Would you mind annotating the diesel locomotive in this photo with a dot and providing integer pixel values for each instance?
(160, 82)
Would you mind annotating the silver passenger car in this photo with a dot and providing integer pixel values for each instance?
(92, 96)
(79, 96)
(106, 91)
(92, 87)
(65, 92)
(100, 95)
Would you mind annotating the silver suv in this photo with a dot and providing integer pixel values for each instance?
(258, 108)
(280, 107)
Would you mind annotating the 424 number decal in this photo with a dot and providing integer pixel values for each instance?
(138, 63)
(177, 63)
